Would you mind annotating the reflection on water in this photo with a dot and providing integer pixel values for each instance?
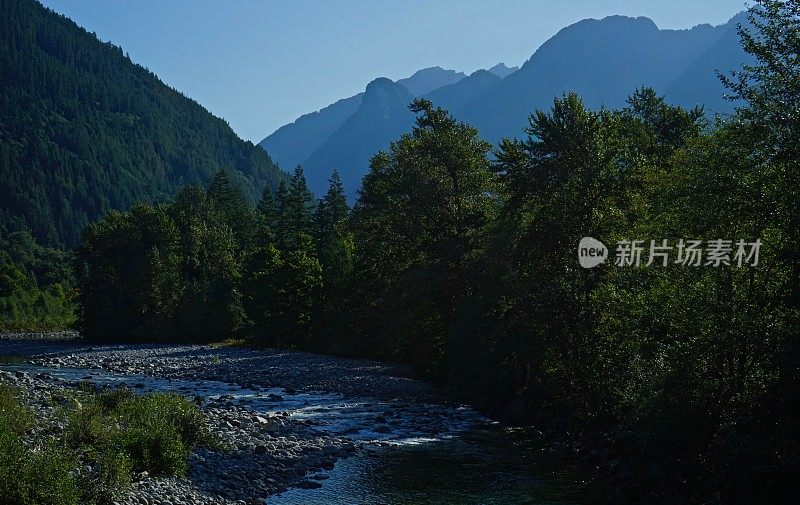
(486, 466)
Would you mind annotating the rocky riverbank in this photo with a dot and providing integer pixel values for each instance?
(40, 336)
(285, 418)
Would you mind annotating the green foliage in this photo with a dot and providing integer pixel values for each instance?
(281, 215)
(108, 436)
(181, 272)
(335, 247)
(771, 85)
(154, 433)
(210, 264)
(266, 216)
(230, 204)
(281, 292)
(36, 285)
(167, 273)
(416, 223)
(128, 270)
(15, 417)
(31, 477)
(295, 203)
(35, 478)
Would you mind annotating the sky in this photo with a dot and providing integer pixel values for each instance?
(260, 64)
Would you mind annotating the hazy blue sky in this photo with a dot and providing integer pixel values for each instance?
(261, 63)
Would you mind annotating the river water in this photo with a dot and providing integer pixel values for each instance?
(409, 454)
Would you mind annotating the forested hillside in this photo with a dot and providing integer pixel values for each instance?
(84, 130)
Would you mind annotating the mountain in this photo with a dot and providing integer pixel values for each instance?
(292, 143)
(455, 96)
(698, 84)
(302, 141)
(428, 79)
(602, 60)
(83, 130)
(501, 70)
(382, 116)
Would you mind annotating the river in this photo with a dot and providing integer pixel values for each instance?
(412, 444)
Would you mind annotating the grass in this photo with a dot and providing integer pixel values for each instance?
(229, 342)
(12, 360)
(108, 437)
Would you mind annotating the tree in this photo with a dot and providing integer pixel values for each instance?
(283, 283)
(266, 219)
(296, 210)
(765, 134)
(557, 182)
(771, 86)
(232, 208)
(301, 280)
(128, 273)
(416, 221)
(210, 268)
(36, 284)
(281, 291)
(282, 231)
(334, 240)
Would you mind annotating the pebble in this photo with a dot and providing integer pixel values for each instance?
(264, 454)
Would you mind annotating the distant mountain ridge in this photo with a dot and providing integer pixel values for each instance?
(293, 143)
(603, 60)
(428, 79)
(310, 139)
(501, 70)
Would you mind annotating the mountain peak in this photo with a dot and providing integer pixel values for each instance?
(501, 70)
(383, 90)
(426, 80)
(379, 83)
(628, 21)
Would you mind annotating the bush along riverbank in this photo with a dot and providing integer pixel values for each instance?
(80, 446)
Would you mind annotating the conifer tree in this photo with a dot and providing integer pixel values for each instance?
(232, 206)
(266, 217)
(334, 237)
(297, 209)
(282, 227)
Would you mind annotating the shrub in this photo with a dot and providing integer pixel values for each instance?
(155, 432)
(159, 431)
(12, 413)
(108, 437)
(28, 477)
